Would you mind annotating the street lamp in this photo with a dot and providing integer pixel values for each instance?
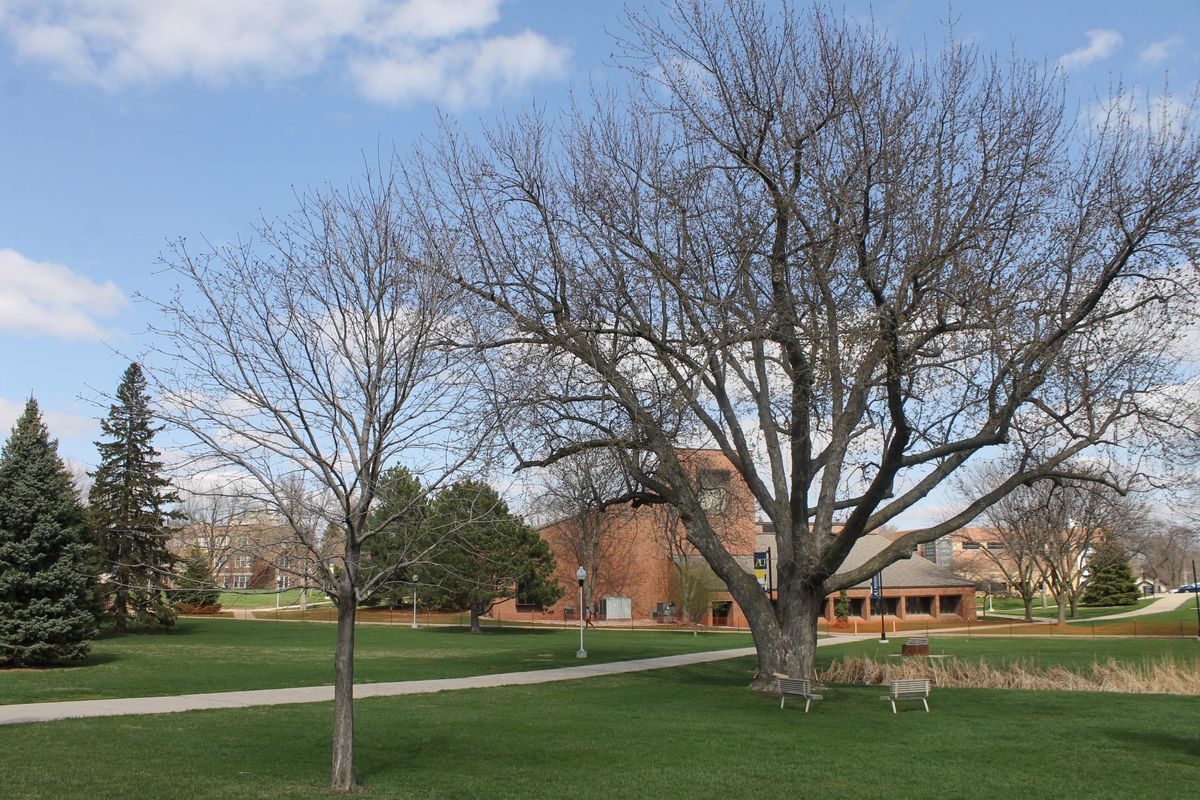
(581, 575)
(415, 579)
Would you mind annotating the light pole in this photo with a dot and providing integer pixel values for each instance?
(415, 579)
(581, 575)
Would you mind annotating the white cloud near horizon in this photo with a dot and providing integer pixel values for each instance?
(1101, 44)
(392, 51)
(62, 424)
(1157, 52)
(41, 298)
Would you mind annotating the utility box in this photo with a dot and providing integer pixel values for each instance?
(617, 608)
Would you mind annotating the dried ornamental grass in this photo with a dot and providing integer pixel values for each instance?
(1164, 676)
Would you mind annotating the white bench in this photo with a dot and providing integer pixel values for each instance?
(795, 687)
(916, 689)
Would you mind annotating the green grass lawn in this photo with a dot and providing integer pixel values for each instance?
(692, 732)
(214, 655)
(253, 598)
(1011, 607)
(1185, 613)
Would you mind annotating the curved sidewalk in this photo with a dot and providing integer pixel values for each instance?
(46, 712)
(1166, 602)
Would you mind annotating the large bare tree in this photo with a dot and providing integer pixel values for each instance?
(307, 361)
(849, 267)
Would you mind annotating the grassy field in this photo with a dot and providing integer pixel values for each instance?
(1008, 605)
(247, 598)
(678, 733)
(214, 655)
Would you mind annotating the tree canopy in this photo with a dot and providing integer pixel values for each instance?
(47, 603)
(128, 506)
(489, 553)
(849, 267)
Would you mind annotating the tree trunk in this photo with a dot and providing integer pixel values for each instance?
(1062, 606)
(789, 647)
(121, 602)
(1028, 601)
(475, 626)
(344, 778)
(1074, 601)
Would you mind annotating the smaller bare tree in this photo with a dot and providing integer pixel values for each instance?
(307, 362)
(581, 501)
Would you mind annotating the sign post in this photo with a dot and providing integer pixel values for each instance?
(877, 601)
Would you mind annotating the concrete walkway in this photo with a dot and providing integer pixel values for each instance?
(46, 712)
(1166, 602)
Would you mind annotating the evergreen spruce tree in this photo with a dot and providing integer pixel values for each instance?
(129, 506)
(46, 588)
(196, 587)
(1111, 582)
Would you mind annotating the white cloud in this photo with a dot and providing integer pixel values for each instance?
(1136, 109)
(1160, 51)
(62, 424)
(40, 298)
(1101, 44)
(394, 50)
(460, 73)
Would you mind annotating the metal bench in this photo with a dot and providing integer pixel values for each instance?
(916, 646)
(916, 689)
(795, 687)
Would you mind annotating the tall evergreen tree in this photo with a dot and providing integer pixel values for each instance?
(129, 505)
(46, 614)
(1111, 582)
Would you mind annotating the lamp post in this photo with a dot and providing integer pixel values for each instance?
(581, 575)
(415, 579)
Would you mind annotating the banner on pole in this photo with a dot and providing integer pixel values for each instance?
(877, 585)
(760, 568)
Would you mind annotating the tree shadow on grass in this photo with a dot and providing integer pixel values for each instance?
(1189, 746)
(491, 632)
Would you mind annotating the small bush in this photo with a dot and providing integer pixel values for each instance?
(198, 610)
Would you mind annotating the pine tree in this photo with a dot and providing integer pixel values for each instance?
(196, 586)
(401, 511)
(1111, 582)
(129, 505)
(487, 554)
(46, 589)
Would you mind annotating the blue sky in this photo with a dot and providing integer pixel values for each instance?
(128, 123)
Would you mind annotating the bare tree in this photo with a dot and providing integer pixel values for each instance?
(1070, 518)
(308, 361)
(1015, 525)
(1162, 551)
(578, 501)
(210, 523)
(848, 267)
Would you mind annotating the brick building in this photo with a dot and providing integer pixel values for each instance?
(645, 569)
(253, 551)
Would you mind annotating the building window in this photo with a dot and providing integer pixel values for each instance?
(997, 546)
(713, 491)
(970, 545)
(918, 605)
(889, 605)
